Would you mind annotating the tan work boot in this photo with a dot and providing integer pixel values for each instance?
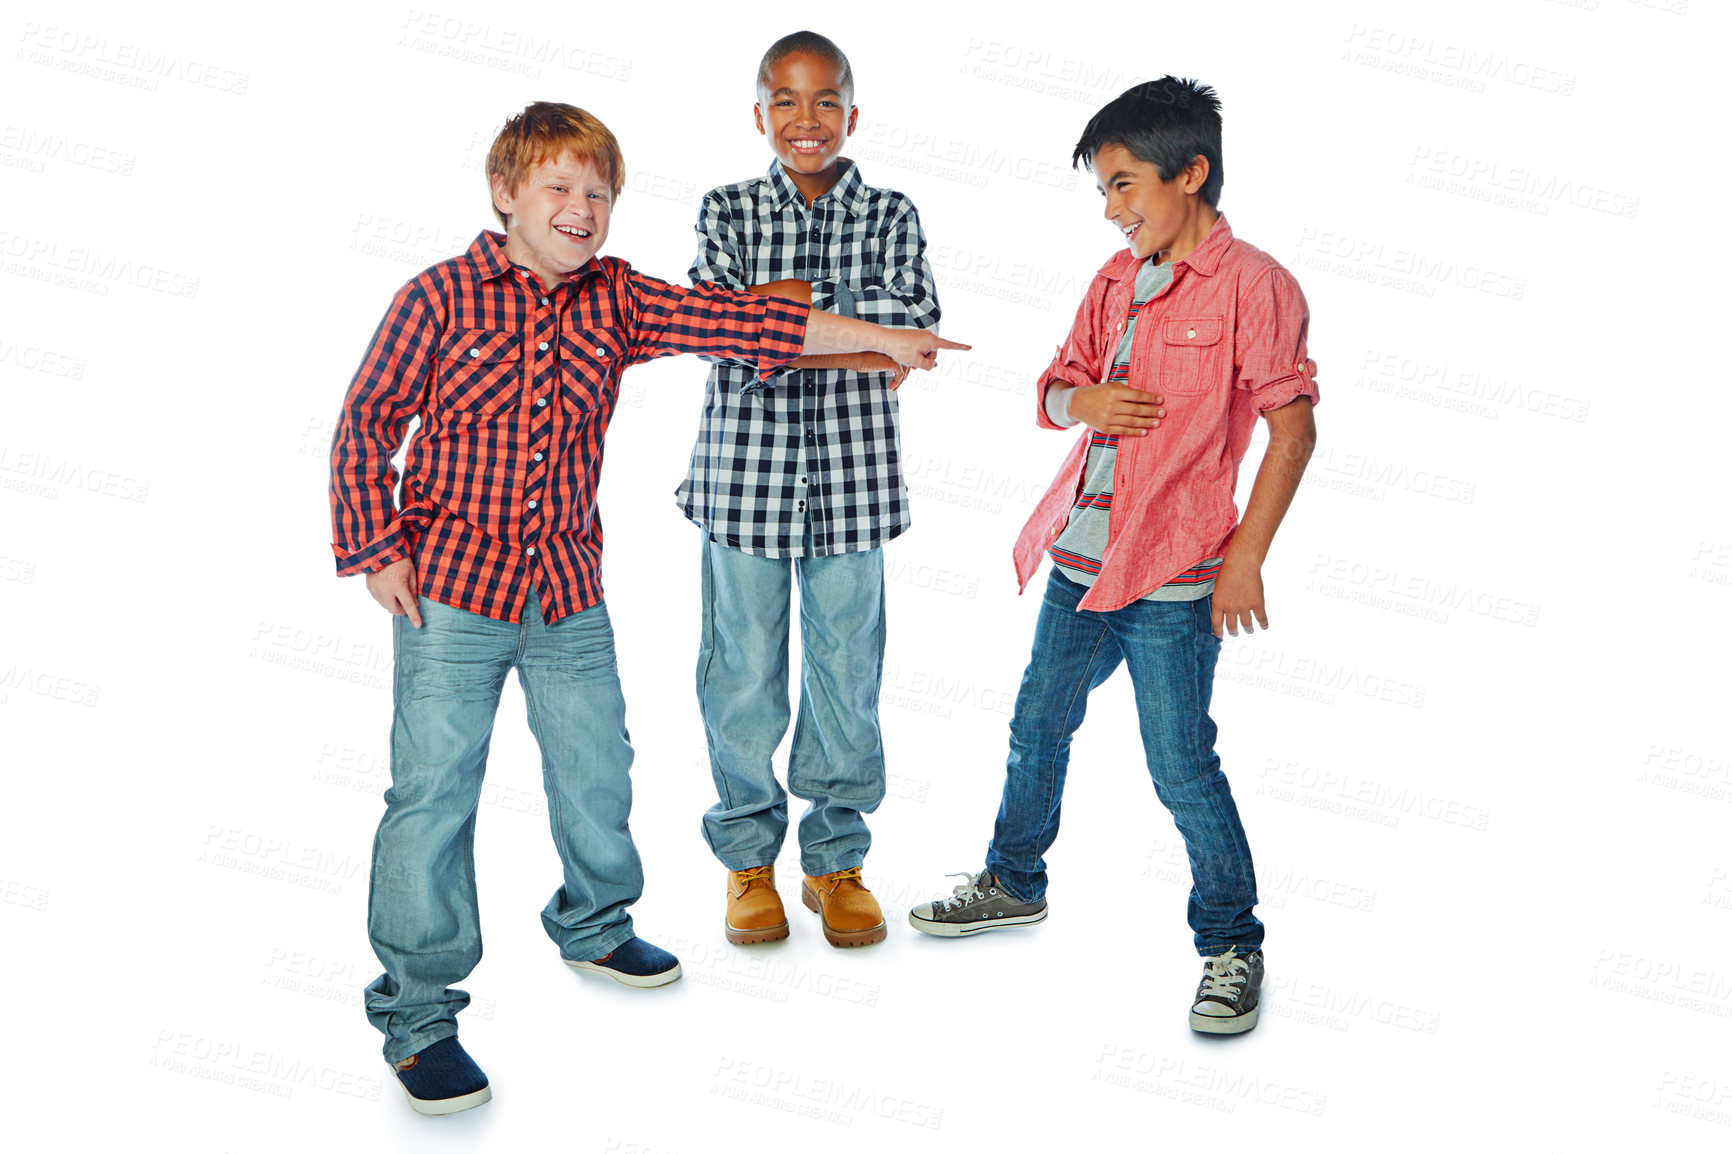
(755, 911)
(845, 906)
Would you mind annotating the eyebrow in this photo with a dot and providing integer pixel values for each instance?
(785, 91)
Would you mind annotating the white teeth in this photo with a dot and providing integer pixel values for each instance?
(569, 230)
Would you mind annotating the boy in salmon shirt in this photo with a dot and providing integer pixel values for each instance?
(1180, 345)
(510, 355)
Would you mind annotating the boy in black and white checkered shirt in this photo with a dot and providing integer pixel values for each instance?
(800, 478)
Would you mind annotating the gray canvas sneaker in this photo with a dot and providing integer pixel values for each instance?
(975, 905)
(1226, 1001)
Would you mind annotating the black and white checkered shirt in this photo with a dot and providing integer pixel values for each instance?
(807, 463)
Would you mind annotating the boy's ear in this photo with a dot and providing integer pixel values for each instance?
(1196, 173)
(758, 118)
(853, 119)
(502, 198)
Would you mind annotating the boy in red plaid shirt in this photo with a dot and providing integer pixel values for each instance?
(510, 356)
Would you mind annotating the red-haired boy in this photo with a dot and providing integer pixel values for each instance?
(510, 357)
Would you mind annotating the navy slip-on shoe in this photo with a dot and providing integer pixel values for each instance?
(634, 962)
(442, 1079)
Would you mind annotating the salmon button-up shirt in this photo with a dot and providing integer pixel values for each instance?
(1223, 343)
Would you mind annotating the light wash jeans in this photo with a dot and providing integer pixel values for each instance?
(1169, 647)
(837, 759)
(421, 910)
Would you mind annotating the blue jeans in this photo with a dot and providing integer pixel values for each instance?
(421, 910)
(837, 760)
(1169, 647)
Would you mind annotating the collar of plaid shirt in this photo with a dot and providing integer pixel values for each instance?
(849, 190)
(514, 387)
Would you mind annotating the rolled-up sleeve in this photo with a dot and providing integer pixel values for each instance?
(906, 297)
(386, 394)
(1077, 361)
(1269, 354)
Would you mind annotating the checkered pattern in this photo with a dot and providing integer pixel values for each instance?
(513, 388)
(809, 462)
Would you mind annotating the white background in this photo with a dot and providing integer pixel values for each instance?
(1477, 755)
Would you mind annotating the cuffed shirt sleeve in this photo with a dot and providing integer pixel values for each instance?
(907, 298)
(1269, 355)
(1077, 361)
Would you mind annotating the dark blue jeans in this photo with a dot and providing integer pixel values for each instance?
(1170, 650)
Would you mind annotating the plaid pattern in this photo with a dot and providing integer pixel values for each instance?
(513, 388)
(807, 463)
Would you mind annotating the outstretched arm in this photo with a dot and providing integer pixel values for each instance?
(799, 290)
(916, 348)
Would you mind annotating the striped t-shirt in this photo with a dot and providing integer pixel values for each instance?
(1077, 551)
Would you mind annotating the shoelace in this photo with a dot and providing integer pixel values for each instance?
(852, 873)
(755, 874)
(966, 893)
(1223, 974)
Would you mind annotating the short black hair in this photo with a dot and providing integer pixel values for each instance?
(1165, 123)
(815, 44)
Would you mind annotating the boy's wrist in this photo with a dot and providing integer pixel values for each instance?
(1242, 555)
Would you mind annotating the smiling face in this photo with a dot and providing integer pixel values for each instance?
(1155, 215)
(806, 116)
(558, 218)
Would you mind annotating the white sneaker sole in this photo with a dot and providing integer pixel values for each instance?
(447, 1105)
(963, 929)
(643, 982)
(1204, 1024)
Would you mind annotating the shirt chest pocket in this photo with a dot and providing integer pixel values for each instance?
(1193, 355)
(589, 366)
(479, 371)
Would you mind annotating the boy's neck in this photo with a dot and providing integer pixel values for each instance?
(1194, 234)
(812, 185)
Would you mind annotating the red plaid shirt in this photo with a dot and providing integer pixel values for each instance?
(514, 387)
(1223, 343)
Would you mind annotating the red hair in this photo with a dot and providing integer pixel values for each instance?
(545, 132)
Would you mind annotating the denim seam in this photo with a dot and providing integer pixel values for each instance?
(707, 652)
(435, 1029)
(1204, 635)
(1082, 689)
(800, 720)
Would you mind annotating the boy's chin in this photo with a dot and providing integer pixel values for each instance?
(808, 165)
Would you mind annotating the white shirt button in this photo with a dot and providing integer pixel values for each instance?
(602, 353)
(538, 456)
(530, 550)
(532, 504)
(1188, 333)
(543, 300)
(543, 345)
(474, 352)
(541, 402)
